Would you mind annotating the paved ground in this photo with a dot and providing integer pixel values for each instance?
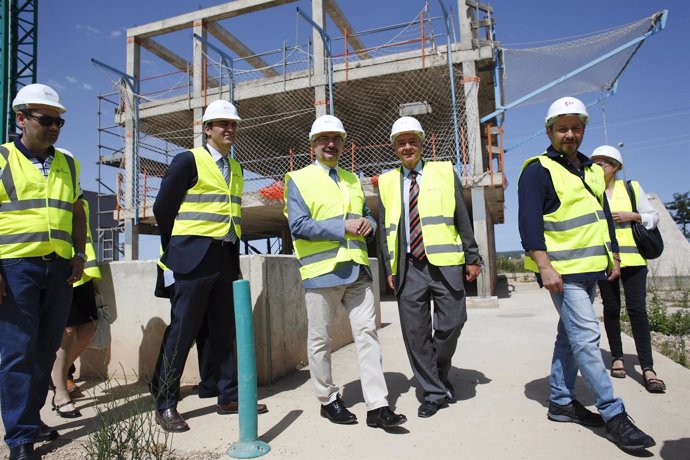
(500, 373)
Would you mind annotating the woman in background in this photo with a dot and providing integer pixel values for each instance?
(633, 271)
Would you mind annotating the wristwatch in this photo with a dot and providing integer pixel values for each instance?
(82, 255)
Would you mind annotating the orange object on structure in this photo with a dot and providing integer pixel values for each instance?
(375, 181)
(274, 191)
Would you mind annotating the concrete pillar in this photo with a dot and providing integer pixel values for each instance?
(320, 74)
(198, 96)
(131, 232)
(480, 215)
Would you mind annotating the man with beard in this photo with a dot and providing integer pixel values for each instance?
(330, 224)
(569, 237)
(42, 244)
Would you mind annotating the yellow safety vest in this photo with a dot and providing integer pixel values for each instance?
(576, 234)
(436, 205)
(328, 200)
(211, 205)
(91, 270)
(620, 201)
(36, 211)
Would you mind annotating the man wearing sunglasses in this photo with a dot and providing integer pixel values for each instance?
(330, 225)
(42, 244)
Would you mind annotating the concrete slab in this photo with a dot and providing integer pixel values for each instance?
(500, 373)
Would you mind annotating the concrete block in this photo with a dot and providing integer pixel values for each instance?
(280, 322)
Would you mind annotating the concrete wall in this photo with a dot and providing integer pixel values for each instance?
(280, 322)
(671, 270)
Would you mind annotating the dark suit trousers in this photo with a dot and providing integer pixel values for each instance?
(430, 345)
(204, 294)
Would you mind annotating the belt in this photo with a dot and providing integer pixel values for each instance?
(50, 257)
(221, 243)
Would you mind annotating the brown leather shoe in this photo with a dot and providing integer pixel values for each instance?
(234, 408)
(171, 421)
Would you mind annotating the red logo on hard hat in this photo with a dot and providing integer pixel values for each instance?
(567, 103)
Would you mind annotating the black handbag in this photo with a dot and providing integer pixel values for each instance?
(649, 242)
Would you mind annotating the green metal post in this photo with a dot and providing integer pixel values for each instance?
(248, 446)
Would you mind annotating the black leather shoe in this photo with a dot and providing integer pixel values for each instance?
(450, 391)
(384, 417)
(429, 408)
(171, 421)
(234, 408)
(336, 412)
(23, 452)
(47, 433)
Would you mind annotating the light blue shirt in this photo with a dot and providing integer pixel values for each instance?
(302, 226)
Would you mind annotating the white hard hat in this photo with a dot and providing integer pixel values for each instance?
(326, 124)
(37, 94)
(608, 151)
(566, 106)
(220, 110)
(407, 125)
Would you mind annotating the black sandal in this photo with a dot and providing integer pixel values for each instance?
(654, 384)
(618, 373)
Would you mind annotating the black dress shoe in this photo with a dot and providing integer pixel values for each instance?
(384, 417)
(450, 391)
(336, 412)
(234, 408)
(429, 408)
(23, 452)
(47, 433)
(171, 421)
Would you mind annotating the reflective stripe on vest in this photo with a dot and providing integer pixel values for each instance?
(442, 243)
(36, 211)
(327, 200)
(91, 269)
(576, 234)
(620, 201)
(210, 206)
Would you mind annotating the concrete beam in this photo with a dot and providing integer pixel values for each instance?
(340, 20)
(212, 14)
(233, 43)
(171, 58)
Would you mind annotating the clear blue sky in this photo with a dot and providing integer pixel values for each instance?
(650, 113)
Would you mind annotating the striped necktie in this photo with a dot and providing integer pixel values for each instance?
(334, 174)
(224, 166)
(416, 241)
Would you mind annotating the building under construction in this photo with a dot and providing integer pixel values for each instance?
(421, 68)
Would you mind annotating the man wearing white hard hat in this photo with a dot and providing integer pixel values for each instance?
(198, 211)
(428, 249)
(628, 208)
(42, 253)
(330, 225)
(569, 237)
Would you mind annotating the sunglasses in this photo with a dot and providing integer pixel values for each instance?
(45, 120)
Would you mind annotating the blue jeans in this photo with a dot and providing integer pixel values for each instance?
(32, 320)
(577, 347)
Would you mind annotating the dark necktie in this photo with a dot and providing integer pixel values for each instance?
(334, 174)
(224, 166)
(416, 242)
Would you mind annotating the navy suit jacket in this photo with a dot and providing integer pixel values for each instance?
(453, 273)
(181, 253)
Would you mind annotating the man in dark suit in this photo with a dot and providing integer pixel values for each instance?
(198, 211)
(426, 242)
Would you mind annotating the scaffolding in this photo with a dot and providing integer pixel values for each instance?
(415, 68)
